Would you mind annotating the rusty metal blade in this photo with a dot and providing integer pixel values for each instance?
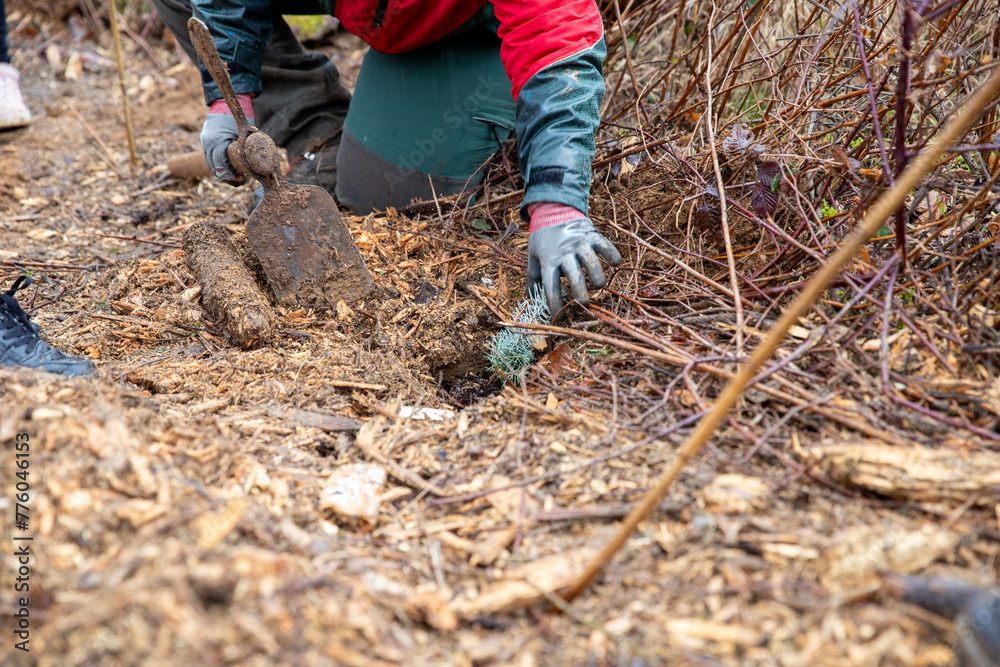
(305, 247)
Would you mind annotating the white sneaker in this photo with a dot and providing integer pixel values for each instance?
(13, 113)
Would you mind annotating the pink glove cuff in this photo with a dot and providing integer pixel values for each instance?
(220, 106)
(546, 214)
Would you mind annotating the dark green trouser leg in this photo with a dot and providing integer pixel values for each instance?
(434, 114)
(302, 103)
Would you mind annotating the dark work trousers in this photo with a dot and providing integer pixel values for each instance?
(4, 56)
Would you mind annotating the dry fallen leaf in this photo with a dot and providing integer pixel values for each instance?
(916, 473)
(527, 584)
(139, 511)
(559, 359)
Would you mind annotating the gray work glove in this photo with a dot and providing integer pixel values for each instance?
(565, 249)
(217, 133)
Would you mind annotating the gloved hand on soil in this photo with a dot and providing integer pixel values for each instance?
(218, 132)
(563, 241)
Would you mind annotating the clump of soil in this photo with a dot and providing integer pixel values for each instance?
(454, 342)
(228, 289)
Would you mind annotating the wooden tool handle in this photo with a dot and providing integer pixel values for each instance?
(253, 153)
(189, 165)
(201, 38)
(192, 165)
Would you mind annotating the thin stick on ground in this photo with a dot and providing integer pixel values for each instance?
(136, 239)
(873, 220)
(116, 38)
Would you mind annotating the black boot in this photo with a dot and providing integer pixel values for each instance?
(21, 346)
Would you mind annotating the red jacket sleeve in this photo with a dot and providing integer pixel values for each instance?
(553, 51)
(536, 34)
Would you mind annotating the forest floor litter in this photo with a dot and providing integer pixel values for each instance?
(360, 490)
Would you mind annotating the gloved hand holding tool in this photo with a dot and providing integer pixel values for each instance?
(218, 132)
(563, 241)
(296, 231)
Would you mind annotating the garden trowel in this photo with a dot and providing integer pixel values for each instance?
(296, 231)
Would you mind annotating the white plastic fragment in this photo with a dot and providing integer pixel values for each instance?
(353, 492)
(432, 414)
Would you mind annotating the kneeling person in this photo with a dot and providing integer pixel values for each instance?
(443, 83)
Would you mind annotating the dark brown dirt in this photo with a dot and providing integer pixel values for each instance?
(471, 388)
(454, 344)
